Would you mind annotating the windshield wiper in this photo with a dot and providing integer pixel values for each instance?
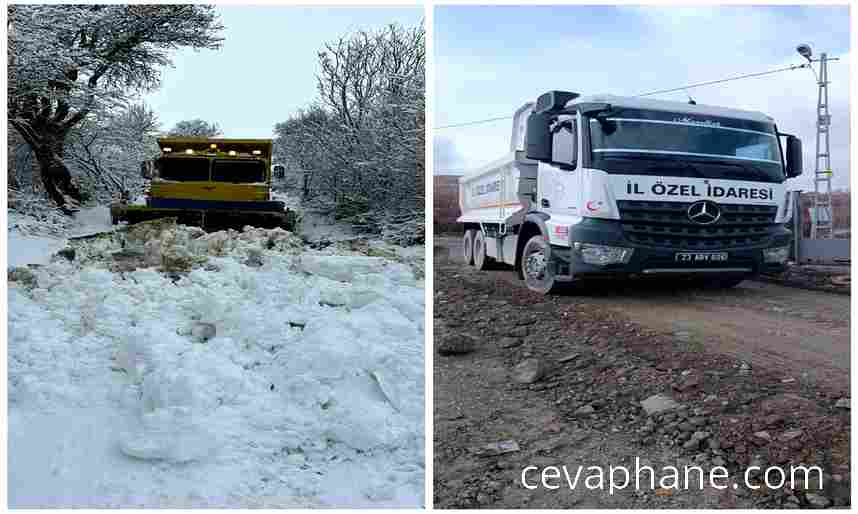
(746, 166)
(665, 164)
(677, 166)
(715, 160)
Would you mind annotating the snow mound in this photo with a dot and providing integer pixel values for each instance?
(170, 247)
(31, 249)
(37, 219)
(306, 390)
(170, 434)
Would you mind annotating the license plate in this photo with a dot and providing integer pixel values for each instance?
(701, 256)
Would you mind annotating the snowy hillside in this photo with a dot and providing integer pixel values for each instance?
(167, 367)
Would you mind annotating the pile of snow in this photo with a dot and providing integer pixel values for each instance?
(36, 233)
(167, 367)
(31, 215)
(51, 223)
(91, 220)
(31, 249)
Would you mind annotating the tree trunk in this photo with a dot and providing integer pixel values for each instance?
(47, 146)
(57, 179)
(306, 186)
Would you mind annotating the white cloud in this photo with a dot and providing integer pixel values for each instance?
(447, 159)
(664, 47)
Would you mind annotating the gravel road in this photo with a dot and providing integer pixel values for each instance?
(800, 332)
(760, 373)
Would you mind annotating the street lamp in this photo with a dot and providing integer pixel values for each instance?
(804, 51)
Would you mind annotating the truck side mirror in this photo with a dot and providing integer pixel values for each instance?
(147, 169)
(564, 147)
(793, 157)
(538, 138)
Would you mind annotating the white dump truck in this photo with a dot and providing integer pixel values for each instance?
(622, 187)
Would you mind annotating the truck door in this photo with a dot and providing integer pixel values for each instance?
(557, 181)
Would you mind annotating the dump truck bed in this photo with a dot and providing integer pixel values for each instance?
(492, 193)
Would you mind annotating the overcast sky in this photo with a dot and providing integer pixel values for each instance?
(491, 59)
(265, 70)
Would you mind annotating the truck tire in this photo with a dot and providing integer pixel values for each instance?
(481, 260)
(468, 246)
(535, 268)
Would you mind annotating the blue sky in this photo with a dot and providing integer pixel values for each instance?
(273, 52)
(491, 59)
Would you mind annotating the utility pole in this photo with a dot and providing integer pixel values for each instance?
(822, 221)
(823, 227)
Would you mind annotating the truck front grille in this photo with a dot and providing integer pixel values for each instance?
(666, 225)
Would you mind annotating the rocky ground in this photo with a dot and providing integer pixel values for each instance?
(829, 278)
(525, 380)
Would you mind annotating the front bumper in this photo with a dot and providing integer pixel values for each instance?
(656, 261)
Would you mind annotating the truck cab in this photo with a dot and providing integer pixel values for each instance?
(607, 186)
(211, 170)
(213, 183)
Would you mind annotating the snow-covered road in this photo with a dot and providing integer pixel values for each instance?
(309, 394)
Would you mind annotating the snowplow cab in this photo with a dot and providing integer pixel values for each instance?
(212, 183)
(226, 170)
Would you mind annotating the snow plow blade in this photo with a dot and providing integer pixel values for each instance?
(209, 219)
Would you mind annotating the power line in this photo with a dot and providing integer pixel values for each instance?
(700, 84)
(486, 120)
(709, 83)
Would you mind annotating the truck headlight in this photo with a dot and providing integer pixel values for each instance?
(602, 255)
(777, 255)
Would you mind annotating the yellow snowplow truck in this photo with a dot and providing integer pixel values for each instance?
(210, 183)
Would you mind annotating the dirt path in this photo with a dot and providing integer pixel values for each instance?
(761, 358)
(803, 333)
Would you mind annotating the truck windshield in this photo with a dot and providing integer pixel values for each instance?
(675, 144)
(238, 171)
(184, 169)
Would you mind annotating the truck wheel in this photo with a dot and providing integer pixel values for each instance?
(535, 268)
(481, 260)
(468, 246)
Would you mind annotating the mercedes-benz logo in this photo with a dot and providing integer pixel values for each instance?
(704, 212)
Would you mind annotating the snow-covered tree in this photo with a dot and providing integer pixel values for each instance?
(307, 142)
(68, 63)
(106, 152)
(361, 146)
(195, 128)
